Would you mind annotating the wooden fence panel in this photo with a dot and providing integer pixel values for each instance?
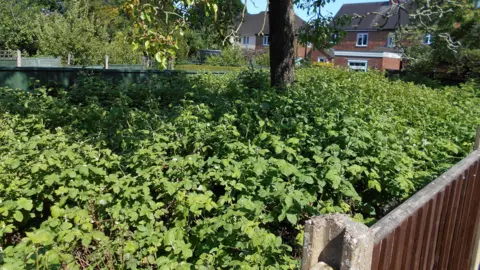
(435, 229)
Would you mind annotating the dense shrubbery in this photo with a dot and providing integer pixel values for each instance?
(213, 171)
(231, 56)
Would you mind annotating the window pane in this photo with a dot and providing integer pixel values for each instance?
(358, 66)
(362, 39)
(428, 39)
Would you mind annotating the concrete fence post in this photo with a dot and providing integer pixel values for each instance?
(106, 61)
(336, 242)
(19, 58)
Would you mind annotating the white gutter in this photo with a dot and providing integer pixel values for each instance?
(369, 54)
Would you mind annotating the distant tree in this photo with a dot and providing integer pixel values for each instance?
(443, 36)
(88, 30)
(215, 29)
(18, 24)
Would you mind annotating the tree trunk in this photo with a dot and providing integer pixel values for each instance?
(282, 47)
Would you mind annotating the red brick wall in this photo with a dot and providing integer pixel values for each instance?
(391, 63)
(373, 63)
(259, 43)
(375, 39)
(301, 50)
(317, 53)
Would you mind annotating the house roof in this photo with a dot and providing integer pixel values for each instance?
(253, 23)
(378, 15)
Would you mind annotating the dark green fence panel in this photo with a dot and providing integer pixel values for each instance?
(23, 77)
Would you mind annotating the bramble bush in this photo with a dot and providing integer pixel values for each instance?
(213, 171)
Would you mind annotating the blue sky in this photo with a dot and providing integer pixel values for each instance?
(256, 6)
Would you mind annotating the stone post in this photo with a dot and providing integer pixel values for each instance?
(19, 58)
(336, 242)
(106, 61)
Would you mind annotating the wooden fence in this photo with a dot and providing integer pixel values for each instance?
(437, 228)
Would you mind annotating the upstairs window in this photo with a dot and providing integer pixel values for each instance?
(266, 40)
(309, 44)
(333, 38)
(428, 39)
(362, 40)
(390, 41)
(246, 40)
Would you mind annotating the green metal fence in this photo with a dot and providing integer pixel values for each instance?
(24, 77)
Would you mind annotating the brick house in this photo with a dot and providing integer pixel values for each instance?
(369, 43)
(252, 37)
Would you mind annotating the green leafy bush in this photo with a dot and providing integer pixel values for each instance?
(214, 60)
(231, 56)
(263, 59)
(208, 171)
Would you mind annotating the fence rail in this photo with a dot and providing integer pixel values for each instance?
(437, 228)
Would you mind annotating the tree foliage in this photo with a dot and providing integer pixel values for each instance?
(86, 29)
(18, 22)
(454, 27)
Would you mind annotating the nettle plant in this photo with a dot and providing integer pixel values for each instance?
(213, 171)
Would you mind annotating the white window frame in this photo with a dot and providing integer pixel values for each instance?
(309, 44)
(390, 41)
(321, 59)
(266, 41)
(364, 35)
(246, 40)
(428, 39)
(358, 61)
(333, 38)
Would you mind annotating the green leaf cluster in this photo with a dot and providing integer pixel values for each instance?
(213, 171)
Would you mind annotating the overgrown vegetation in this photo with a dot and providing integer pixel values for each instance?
(213, 171)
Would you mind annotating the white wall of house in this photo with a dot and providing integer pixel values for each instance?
(247, 42)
